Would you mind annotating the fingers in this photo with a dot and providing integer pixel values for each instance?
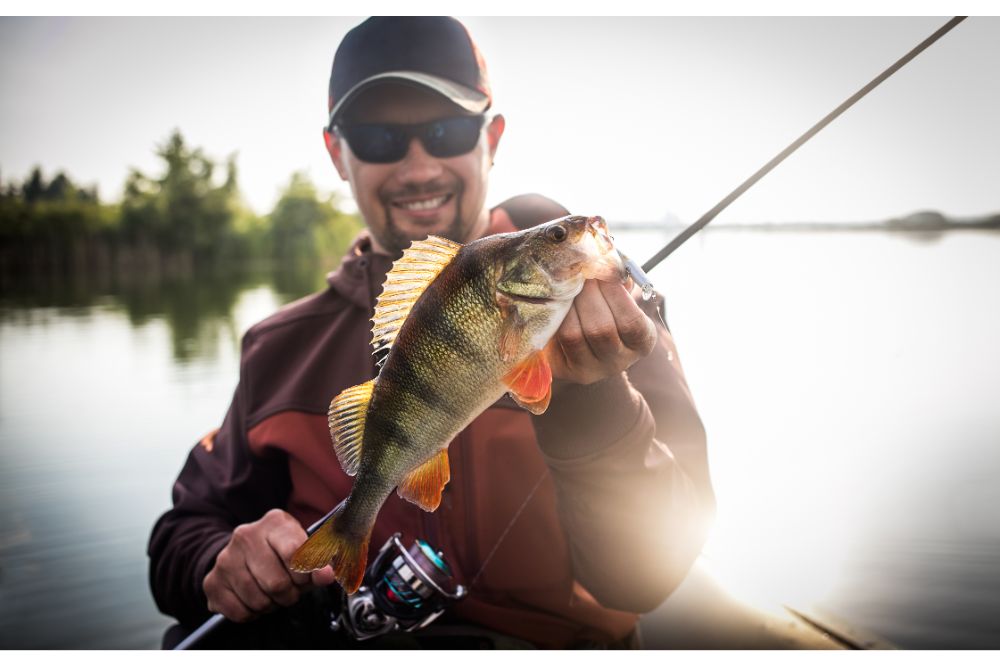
(570, 342)
(234, 572)
(226, 602)
(598, 322)
(634, 328)
(284, 542)
(604, 333)
(231, 590)
(270, 573)
(251, 591)
(251, 575)
(323, 577)
(267, 560)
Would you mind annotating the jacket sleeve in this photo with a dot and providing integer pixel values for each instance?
(222, 485)
(629, 461)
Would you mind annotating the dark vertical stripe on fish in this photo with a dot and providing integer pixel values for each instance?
(412, 378)
(440, 321)
(386, 429)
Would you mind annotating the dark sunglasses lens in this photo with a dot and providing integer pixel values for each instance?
(376, 143)
(452, 136)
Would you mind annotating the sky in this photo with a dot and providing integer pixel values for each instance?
(635, 119)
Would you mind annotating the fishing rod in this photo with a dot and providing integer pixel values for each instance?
(404, 589)
(433, 561)
(639, 273)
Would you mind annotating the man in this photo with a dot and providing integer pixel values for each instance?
(564, 526)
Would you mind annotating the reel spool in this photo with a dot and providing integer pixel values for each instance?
(404, 589)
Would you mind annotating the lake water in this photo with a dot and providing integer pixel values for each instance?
(848, 382)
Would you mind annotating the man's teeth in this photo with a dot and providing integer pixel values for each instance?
(425, 204)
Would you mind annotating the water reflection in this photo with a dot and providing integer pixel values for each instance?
(847, 382)
(104, 386)
(197, 308)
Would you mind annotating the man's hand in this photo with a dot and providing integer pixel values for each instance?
(251, 575)
(604, 333)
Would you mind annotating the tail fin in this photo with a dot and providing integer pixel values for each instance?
(347, 553)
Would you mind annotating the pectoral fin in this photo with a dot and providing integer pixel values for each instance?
(423, 485)
(530, 383)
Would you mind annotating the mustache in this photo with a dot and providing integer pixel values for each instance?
(419, 190)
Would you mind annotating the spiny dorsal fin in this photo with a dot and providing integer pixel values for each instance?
(347, 424)
(409, 276)
(423, 485)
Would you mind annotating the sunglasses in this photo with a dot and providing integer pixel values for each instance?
(383, 143)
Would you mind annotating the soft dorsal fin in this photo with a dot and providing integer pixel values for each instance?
(409, 276)
(347, 424)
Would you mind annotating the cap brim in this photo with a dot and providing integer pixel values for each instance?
(468, 99)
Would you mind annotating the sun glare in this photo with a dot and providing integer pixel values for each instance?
(784, 557)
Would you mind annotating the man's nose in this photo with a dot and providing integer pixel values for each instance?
(418, 165)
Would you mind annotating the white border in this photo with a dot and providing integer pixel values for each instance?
(507, 8)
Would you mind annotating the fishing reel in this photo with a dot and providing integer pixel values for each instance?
(404, 589)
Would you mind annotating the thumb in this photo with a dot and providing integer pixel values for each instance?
(323, 577)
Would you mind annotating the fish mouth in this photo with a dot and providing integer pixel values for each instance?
(605, 262)
(536, 300)
(598, 228)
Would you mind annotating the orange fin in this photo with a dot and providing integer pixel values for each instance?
(347, 554)
(346, 418)
(530, 383)
(423, 485)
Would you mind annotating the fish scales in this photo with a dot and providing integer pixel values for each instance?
(446, 345)
(471, 331)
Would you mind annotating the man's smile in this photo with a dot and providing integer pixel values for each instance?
(424, 206)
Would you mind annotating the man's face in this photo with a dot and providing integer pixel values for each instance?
(420, 194)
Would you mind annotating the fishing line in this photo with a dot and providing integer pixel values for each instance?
(517, 514)
(795, 145)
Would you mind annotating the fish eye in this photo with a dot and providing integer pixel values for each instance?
(556, 233)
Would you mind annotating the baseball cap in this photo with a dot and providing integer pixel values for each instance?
(434, 52)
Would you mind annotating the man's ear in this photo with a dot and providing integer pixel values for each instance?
(493, 134)
(336, 152)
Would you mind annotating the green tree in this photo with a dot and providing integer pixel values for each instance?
(306, 227)
(183, 210)
(52, 225)
(34, 188)
(308, 235)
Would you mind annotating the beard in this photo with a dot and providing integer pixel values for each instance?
(395, 240)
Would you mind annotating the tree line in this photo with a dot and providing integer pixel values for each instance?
(187, 219)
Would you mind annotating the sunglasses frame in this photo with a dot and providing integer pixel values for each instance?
(411, 131)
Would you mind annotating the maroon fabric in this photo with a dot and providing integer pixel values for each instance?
(614, 526)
